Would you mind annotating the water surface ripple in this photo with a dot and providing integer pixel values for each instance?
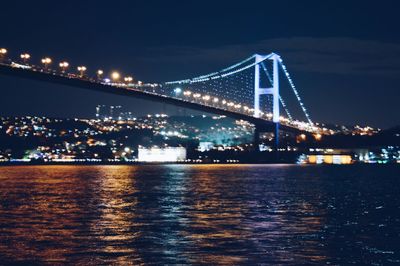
(204, 214)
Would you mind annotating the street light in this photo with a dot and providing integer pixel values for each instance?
(46, 61)
(99, 74)
(177, 91)
(25, 57)
(206, 98)
(63, 65)
(81, 70)
(3, 52)
(128, 79)
(318, 136)
(115, 76)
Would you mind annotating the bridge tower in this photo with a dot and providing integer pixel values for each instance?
(274, 90)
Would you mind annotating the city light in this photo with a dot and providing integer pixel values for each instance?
(318, 136)
(3, 52)
(115, 76)
(25, 57)
(46, 62)
(206, 97)
(128, 79)
(99, 74)
(177, 90)
(64, 65)
(81, 70)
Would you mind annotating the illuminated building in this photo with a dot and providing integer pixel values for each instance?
(330, 159)
(100, 111)
(168, 154)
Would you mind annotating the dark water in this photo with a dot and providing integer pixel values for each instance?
(210, 215)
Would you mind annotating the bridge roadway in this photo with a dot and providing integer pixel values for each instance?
(262, 125)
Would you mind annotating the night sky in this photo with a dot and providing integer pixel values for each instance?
(344, 56)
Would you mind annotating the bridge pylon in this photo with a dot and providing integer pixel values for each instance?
(274, 90)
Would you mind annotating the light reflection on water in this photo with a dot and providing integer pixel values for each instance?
(204, 214)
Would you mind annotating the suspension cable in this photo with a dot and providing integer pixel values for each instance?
(296, 92)
(280, 98)
(219, 74)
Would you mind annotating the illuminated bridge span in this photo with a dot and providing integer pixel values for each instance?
(239, 88)
(248, 90)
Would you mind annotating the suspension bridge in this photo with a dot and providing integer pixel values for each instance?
(248, 90)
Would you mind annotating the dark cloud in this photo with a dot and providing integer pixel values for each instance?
(344, 56)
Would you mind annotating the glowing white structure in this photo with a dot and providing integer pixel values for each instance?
(168, 154)
(274, 91)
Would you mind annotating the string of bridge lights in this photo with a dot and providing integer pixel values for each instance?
(296, 92)
(64, 66)
(220, 74)
(213, 75)
(236, 87)
(223, 74)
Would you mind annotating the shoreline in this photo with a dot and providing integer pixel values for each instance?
(136, 163)
(175, 163)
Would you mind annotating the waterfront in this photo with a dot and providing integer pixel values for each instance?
(203, 214)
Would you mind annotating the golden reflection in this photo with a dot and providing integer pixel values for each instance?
(215, 216)
(221, 216)
(117, 218)
(45, 211)
(52, 207)
(129, 215)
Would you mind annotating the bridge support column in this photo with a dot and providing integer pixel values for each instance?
(256, 140)
(257, 86)
(276, 136)
(274, 90)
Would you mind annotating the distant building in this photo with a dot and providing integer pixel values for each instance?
(115, 112)
(205, 146)
(330, 159)
(168, 154)
(109, 112)
(100, 112)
